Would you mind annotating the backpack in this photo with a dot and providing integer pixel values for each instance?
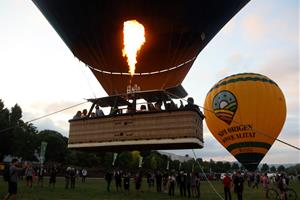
(6, 173)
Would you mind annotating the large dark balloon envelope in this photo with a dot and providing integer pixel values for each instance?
(176, 32)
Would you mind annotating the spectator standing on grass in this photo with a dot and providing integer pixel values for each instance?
(67, 177)
(150, 180)
(249, 179)
(108, 178)
(138, 181)
(13, 173)
(84, 174)
(238, 185)
(158, 179)
(182, 183)
(40, 174)
(256, 181)
(165, 182)
(266, 182)
(29, 175)
(52, 176)
(73, 173)
(281, 184)
(118, 180)
(227, 187)
(198, 185)
(126, 182)
(188, 184)
(193, 185)
(172, 181)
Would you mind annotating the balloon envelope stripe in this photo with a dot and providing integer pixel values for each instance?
(224, 115)
(243, 74)
(260, 79)
(231, 106)
(248, 144)
(250, 160)
(228, 112)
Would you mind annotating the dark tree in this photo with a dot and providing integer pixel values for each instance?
(226, 167)
(235, 167)
(273, 169)
(281, 168)
(265, 167)
(57, 145)
(15, 115)
(5, 132)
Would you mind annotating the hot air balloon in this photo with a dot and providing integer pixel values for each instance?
(245, 113)
(159, 40)
(175, 30)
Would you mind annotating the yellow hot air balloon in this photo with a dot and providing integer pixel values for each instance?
(245, 113)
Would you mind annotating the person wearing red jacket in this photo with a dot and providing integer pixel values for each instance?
(227, 186)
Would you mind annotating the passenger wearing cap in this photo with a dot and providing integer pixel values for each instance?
(191, 105)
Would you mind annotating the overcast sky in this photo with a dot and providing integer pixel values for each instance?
(41, 74)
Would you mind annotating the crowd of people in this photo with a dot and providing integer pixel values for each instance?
(158, 106)
(71, 174)
(30, 173)
(253, 181)
(188, 183)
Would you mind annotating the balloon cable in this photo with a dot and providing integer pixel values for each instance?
(88, 82)
(211, 185)
(44, 116)
(263, 134)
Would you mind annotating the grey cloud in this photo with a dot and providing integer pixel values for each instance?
(49, 124)
(281, 154)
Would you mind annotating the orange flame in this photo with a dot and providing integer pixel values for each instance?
(134, 38)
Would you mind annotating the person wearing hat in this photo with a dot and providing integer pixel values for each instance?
(192, 106)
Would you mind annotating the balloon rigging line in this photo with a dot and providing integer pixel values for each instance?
(266, 135)
(288, 144)
(211, 185)
(87, 80)
(143, 73)
(44, 116)
(35, 119)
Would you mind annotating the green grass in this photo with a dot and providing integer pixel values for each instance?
(95, 189)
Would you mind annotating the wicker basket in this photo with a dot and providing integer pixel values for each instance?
(179, 129)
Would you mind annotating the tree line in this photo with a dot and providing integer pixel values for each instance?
(20, 139)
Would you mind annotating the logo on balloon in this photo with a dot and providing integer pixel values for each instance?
(225, 105)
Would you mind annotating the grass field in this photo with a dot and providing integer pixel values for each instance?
(95, 189)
